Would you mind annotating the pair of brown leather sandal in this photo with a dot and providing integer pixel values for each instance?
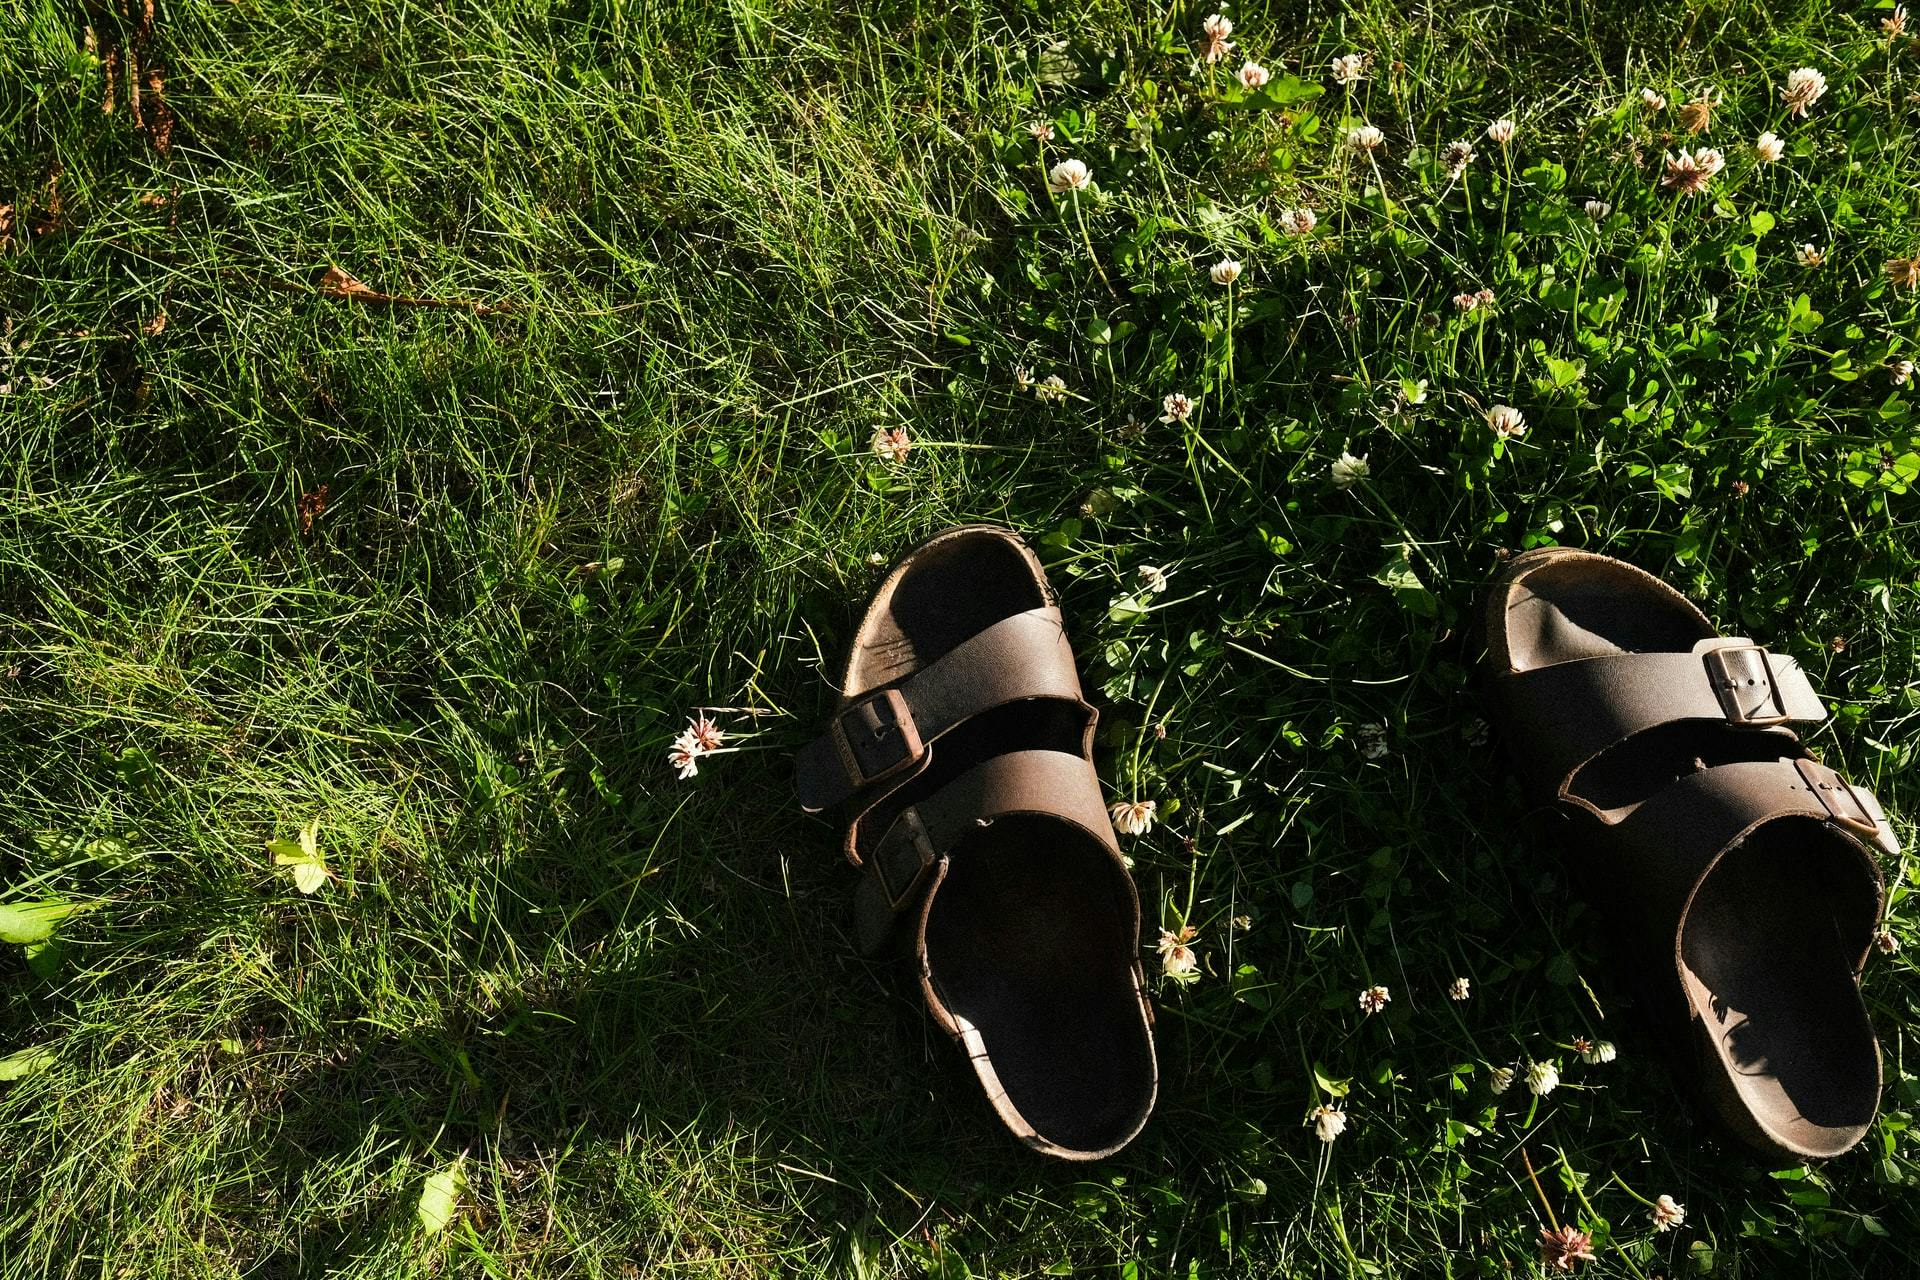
(1739, 872)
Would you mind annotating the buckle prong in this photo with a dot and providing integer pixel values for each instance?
(877, 738)
(1743, 681)
(1837, 796)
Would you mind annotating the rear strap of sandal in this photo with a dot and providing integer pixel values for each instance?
(1658, 856)
(902, 856)
(888, 735)
(1571, 712)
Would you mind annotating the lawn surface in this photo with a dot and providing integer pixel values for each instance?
(413, 412)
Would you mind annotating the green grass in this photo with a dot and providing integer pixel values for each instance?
(719, 248)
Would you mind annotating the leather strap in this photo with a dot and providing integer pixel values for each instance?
(1053, 783)
(1570, 712)
(890, 733)
(1658, 855)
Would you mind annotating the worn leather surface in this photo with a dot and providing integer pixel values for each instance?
(1570, 712)
(1053, 783)
(1024, 656)
(1665, 847)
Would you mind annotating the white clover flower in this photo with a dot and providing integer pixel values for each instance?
(1904, 272)
(684, 756)
(1809, 255)
(1598, 1053)
(1697, 115)
(1466, 301)
(1022, 377)
(1374, 999)
(1884, 939)
(1689, 172)
(1502, 131)
(1349, 68)
(1565, 1247)
(1041, 130)
(1365, 138)
(1894, 25)
(1253, 76)
(708, 735)
(875, 559)
(1328, 1122)
(1653, 100)
(1348, 470)
(1133, 817)
(1152, 578)
(1178, 407)
(1543, 1078)
(1178, 960)
(1052, 389)
(1456, 157)
(1668, 1214)
(1298, 222)
(1506, 421)
(1225, 271)
(1460, 991)
(1597, 210)
(892, 443)
(1217, 29)
(701, 737)
(1768, 148)
(1499, 1079)
(1900, 371)
(1804, 87)
(1069, 175)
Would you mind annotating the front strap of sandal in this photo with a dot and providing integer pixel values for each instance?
(888, 735)
(1570, 712)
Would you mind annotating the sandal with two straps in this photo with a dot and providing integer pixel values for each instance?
(1740, 875)
(963, 747)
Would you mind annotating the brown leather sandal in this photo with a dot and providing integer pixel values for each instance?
(965, 747)
(1738, 873)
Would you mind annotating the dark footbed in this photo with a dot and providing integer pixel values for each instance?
(1764, 951)
(952, 590)
(1766, 961)
(1026, 939)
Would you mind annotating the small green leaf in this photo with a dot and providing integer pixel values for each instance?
(308, 867)
(1328, 1085)
(440, 1196)
(26, 922)
(25, 1062)
(46, 959)
(1289, 88)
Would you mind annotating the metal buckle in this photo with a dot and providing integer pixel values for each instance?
(1839, 799)
(1743, 681)
(908, 832)
(882, 741)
